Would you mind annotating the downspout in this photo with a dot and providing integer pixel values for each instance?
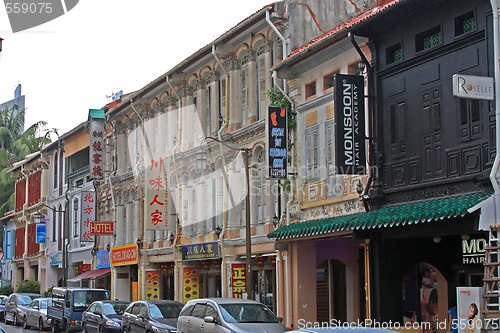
(494, 175)
(219, 137)
(283, 41)
(178, 209)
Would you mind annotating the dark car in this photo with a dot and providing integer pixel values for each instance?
(104, 316)
(15, 307)
(3, 299)
(237, 315)
(151, 316)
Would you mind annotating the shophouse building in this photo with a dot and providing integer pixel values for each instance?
(430, 152)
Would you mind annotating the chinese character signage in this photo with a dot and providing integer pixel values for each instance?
(277, 142)
(102, 259)
(238, 280)
(156, 198)
(200, 251)
(88, 215)
(96, 118)
(41, 233)
(191, 284)
(350, 157)
(152, 285)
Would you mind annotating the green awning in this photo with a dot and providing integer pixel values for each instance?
(390, 216)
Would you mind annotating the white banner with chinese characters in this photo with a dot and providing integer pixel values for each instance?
(156, 195)
(88, 215)
(96, 118)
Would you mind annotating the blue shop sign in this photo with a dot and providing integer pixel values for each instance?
(102, 259)
(41, 233)
(200, 251)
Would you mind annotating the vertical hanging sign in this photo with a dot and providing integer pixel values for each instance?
(238, 280)
(156, 198)
(277, 142)
(96, 118)
(88, 215)
(350, 157)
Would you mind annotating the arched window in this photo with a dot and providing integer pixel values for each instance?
(260, 185)
(261, 82)
(244, 84)
(55, 166)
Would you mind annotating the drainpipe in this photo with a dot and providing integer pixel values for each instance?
(178, 208)
(283, 41)
(494, 175)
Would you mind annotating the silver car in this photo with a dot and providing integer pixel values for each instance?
(35, 314)
(217, 315)
(341, 330)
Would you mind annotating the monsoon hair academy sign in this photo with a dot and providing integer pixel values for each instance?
(350, 149)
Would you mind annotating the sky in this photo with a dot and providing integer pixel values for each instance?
(72, 63)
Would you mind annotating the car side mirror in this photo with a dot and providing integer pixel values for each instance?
(280, 319)
(209, 319)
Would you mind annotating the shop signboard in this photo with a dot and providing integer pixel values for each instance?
(56, 258)
(101, 228)
(102, 259)
(41, 233)
(152, 285)
(277, 142)
(238, 280)
(124, 255)
(200, 251)
(473, 250)
(87, 215)
(156, 195)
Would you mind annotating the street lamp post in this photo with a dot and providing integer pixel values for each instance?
(248, 232)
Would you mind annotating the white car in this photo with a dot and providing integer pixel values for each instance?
(35, 314)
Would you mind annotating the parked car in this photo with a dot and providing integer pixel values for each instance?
(104, 316)
(35, 314)
(3, 300)
(151, 316)
(16, 305)
(213, 315)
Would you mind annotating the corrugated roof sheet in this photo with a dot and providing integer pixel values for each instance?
(386, 217)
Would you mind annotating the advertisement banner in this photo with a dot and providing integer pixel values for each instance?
(191, 284)
(156, 195)
(238, 280)
(277, 142)
(349, 110)
(152, 285)
(469, 307)
(102, 259)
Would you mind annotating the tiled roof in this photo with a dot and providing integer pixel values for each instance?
(339, 31)
(386, 217)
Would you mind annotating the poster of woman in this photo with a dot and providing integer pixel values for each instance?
(469, 309)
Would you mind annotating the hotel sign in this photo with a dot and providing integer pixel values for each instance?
(349, 112)
(470, 86)
(124, 255)
(101, 228)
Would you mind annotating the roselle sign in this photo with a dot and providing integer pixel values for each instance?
(350, 154)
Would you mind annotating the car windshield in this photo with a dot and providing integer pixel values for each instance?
(159, 311)
(83, 298)
(114, 308)
(247, 313)
(44, 303)
(24, 300)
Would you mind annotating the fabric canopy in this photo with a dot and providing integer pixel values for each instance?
(91, 274)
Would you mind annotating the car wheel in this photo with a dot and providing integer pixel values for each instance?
(40, 324)
(15, 322)
(84, 329)
(54, 327)
(25, 323)
(100, 330)
(124, 330)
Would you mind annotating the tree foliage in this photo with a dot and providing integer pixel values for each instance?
(15, 144)
(28, 286)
